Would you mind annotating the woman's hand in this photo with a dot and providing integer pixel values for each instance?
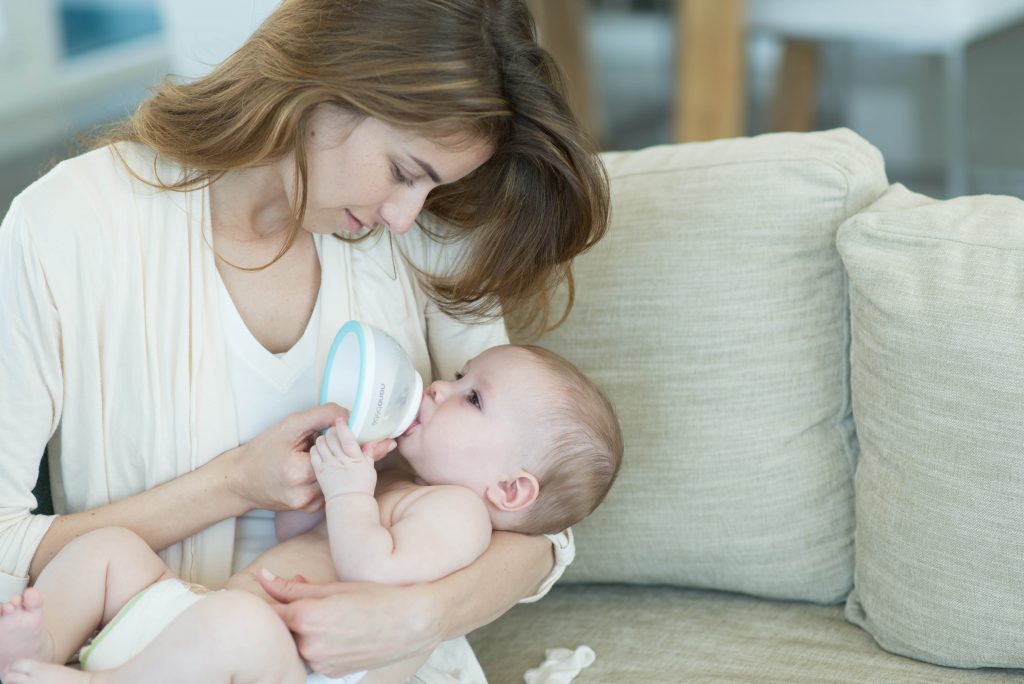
(389, 623)
(273, 471)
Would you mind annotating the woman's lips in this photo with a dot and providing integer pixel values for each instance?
(354, 224)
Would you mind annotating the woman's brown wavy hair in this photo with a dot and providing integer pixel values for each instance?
(441, 68)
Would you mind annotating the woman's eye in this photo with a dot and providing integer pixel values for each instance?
(400, 176)
(473, 398)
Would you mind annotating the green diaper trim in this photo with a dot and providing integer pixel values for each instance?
(84, 657)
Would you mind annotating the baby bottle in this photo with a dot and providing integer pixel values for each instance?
(370, 374)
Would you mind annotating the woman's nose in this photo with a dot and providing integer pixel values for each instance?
(401, 210)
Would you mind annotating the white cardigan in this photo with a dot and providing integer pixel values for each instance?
(110, 350)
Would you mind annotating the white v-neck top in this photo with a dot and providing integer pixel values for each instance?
(266, 387)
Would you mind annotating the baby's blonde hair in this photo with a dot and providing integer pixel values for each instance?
(582, 455)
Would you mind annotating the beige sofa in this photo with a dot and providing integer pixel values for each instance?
(820, 378)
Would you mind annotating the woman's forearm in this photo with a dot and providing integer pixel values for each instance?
(512, 568)
(271, 471)
(162, 516)
(344, 626)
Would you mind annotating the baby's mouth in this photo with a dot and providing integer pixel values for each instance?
(415, 424)
(416, 421)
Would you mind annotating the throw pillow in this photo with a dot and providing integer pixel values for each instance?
(937, 308)
(714, 314)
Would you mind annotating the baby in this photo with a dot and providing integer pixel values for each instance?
(519, 441)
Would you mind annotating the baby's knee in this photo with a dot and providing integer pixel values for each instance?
(243, 581)
(112, 543)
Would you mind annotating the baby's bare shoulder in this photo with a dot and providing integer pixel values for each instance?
(445, 503)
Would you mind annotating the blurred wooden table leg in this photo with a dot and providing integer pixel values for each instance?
(561, 28)
(796, 92)
(710, 70)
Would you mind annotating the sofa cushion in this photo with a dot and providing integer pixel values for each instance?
(714, 315)
(937, 306)
(663, 635)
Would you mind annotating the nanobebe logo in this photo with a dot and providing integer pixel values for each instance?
(380, 403)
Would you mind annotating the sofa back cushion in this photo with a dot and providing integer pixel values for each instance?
(937, 305)
(714, 314)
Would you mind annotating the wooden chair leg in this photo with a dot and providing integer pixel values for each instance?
(796, 89)
(710, 69)
(561, 28)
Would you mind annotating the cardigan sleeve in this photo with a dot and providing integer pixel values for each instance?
(450, 342)
(31, 388)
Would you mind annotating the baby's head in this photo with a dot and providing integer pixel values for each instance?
(526, 430)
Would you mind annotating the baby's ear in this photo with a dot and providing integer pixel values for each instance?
(514, 494)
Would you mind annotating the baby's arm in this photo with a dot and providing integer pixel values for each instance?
(433, 531)
(288, 524)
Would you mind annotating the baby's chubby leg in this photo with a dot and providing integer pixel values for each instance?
(230, 637)
(307, 555)
(81, 589)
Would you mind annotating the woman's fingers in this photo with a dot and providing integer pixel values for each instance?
(315, 504)
(288, 590)
(302, 424)
(378, 450)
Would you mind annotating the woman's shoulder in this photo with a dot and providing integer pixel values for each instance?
(432, 246)
(109, 169)
(100, 184)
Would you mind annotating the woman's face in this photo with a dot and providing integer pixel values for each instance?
(364, 172)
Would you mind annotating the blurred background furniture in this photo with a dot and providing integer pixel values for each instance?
(640, 72)
(711, 40)
(932, 27)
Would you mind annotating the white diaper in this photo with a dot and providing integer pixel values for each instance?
(317, 678)
(138, 623)
(145, 616)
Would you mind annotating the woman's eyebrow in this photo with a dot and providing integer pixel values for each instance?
(427, 168)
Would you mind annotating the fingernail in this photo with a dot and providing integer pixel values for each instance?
(267, 575)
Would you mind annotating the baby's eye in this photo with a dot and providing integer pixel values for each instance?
(459, 375)
(473, 398)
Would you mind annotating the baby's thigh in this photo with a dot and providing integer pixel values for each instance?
(307, 555)
(234, 633)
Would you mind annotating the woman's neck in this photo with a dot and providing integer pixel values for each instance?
(250, 204)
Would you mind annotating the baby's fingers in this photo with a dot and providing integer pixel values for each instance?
(343, 442)
(315, 458)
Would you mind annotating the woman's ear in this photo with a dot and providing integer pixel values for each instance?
(514, 494)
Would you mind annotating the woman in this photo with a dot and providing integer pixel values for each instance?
(169, 298)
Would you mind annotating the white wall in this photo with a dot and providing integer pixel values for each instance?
(202, 33)
(47, 98)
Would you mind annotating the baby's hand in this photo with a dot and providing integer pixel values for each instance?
(341, 466)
